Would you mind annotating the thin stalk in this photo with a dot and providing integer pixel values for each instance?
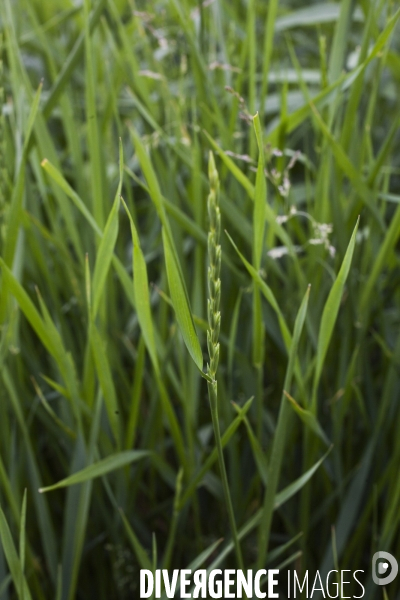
(214, 321)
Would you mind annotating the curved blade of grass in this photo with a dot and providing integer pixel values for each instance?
(102, 467)
(292, 489)
(278, 444)
(308, 418)
(64, 185)
(330, 313)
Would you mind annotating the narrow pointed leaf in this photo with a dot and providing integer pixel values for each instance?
(181, 305)
(104, 256)
(142, 296)
(331, 310)
(102, 467)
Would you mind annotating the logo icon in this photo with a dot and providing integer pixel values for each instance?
(382, 568)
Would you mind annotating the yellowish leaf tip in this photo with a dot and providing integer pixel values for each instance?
(44, 161)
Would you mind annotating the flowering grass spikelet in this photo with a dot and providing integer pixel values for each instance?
(214, 268)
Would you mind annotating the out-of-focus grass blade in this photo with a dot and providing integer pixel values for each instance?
(106, 248)
(93, 138)
(149, 174)
(233, 332)
(73, 58)
(138, 549)
(236, 172)
(104, 256)
(104, 466)
(106, 382)
(349, 169)
(13, 561)
(27, 307)
(64, 185)
(279, 442)
(14, 217)
(22, 534)
(345, 81)
(349, 512)
(259, 455)
(340, 40)
(280, 498)
(260, 198)
(142, 296)
(330, 313)
(130, 435)
(42, 509)
(268, 44)
(325, 12)
(388, 243)
(181, 306)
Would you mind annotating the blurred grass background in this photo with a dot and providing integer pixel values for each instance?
(102, 318)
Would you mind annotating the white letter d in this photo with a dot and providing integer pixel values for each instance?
(146, 574)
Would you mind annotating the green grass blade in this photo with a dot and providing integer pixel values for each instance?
(104, 256)
(142, 296)
(180, 303)
(279, 439)
(13, 561)
(330, 313)
(99, 469)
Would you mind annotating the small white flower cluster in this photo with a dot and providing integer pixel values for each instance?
(321, 231)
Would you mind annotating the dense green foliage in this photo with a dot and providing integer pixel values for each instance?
(104, 287)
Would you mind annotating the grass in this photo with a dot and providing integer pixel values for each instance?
(110, 457)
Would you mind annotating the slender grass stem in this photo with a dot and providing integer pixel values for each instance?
(214, 321)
